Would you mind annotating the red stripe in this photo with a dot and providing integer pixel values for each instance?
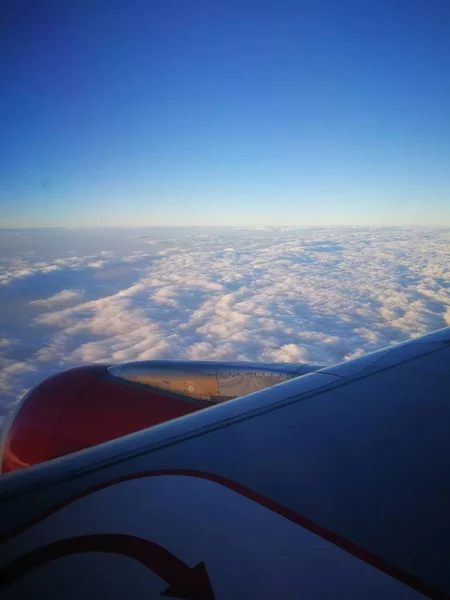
(190, 581)
(334, 538)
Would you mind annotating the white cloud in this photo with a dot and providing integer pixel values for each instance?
(291, 353)
(293, 295)
(96, 264)
(165, 295)
(59, 298)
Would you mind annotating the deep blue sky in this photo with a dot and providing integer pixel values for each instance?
(186, 112)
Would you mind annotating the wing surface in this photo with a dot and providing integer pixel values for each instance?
(343, 471)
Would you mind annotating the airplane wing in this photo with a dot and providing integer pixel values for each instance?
(330, 485)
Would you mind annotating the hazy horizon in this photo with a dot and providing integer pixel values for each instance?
(283, 227)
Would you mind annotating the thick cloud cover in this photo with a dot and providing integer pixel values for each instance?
(321, 295)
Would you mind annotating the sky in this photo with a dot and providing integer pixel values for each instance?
(172, 112)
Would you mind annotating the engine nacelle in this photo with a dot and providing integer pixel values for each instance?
(80, 408)
(214, 381)
(86, 406)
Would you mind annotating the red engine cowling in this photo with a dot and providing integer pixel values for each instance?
(80, 408)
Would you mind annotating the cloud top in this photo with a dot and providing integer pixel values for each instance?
(296, 295)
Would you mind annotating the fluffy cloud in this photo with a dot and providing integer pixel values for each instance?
(276, 295)
(60, 298)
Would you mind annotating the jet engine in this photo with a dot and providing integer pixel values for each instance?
(85, 406)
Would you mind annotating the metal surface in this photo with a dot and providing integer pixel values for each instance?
(362, 453)
(86, 406)
(83, 407)
(215, 381)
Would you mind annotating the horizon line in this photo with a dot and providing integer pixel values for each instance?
(230, 226)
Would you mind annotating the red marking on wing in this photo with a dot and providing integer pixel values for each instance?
(326, 534)
(184, 581)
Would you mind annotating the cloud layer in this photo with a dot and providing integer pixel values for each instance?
(319, 295)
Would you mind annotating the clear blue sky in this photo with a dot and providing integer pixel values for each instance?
(186, 112)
